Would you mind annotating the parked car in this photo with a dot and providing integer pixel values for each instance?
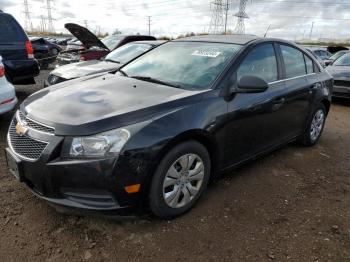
(319, 59)
(44, 51)
(334, 57)
(111, 62)
(64, 41)
(340, 70)
(8, 99)
(16, 51)
(93, 48)
(151, 134)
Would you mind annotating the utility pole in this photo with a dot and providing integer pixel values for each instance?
(217, 24)
(241, 15)
(149, 24)
(51, 28)
(226, 11)
(27, 21)
(312, 27)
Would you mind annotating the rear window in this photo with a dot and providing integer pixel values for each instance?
(10, 30)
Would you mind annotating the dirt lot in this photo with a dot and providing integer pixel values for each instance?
(293, 205)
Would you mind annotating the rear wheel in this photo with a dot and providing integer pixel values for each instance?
(180, 180)
(314, 126)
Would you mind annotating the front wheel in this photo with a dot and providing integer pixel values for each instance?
(314, 126)
(180, 179)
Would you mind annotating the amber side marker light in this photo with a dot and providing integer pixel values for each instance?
(133, 188)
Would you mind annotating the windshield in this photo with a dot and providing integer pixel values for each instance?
(337, 55)
(127, 52)
(111, 41)
(187, 64)
(343, 60)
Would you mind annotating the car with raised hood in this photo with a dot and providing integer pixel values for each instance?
(111, 62)
(152, 134)
(16, 51)
(340, 70)
(8, 99)
(92, 47)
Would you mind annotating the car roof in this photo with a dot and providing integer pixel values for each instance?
(240, 39)
(151, 42)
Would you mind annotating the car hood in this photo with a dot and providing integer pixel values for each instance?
(80, 69)
(86, 37)
(94, 104)
(339, 72)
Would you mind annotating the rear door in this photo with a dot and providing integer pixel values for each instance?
(297, 92)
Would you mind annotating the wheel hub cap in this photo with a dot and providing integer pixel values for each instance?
(183, 180)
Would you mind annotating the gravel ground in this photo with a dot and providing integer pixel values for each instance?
(293, 205)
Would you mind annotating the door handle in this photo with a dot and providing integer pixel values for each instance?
(279, 101)
(316, 86)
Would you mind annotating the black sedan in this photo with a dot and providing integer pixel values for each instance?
(340, 70)
(44, 51)
(153, 133)
(112, 61)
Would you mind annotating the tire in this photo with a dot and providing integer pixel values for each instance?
(184, 186)
(309, 138)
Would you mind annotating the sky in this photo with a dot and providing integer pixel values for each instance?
(289, 19)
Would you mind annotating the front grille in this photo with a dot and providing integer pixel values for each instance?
(25, 146)
(53, 79)
(35, 125)
(342, 83)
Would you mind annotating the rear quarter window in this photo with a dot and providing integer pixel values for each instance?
(10, 30)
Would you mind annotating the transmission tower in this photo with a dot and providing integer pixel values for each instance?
(27, 21)
(50, 26)
(218, 12)
(241, 15)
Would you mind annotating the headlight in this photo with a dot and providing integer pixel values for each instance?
(105, 144)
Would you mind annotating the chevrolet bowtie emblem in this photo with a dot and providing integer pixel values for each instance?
(20, 129)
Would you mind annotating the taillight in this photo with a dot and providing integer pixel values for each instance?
(82, 58)
(2, 71)
(29, 49)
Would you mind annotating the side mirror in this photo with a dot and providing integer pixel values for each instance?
(328, 62)
(251, 84)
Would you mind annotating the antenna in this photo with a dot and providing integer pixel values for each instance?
(241, 15)
(27, 21)
(217, 17)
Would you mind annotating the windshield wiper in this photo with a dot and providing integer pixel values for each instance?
(154, 80)
(113, 61)
(123, 73)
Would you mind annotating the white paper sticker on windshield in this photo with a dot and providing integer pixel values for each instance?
(206, 53)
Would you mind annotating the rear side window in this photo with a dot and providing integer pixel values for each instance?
(10, 30)
(261, 62)
(293, 61)
(309, 65)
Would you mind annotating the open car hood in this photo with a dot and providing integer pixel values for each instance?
(87, 38)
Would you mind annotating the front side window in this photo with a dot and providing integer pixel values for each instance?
(261, 62)
(193, 65)
(293, 61)
(127, 52)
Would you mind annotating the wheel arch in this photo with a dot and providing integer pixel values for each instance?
(327, 104)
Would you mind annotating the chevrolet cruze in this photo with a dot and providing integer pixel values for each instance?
(152, 134)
